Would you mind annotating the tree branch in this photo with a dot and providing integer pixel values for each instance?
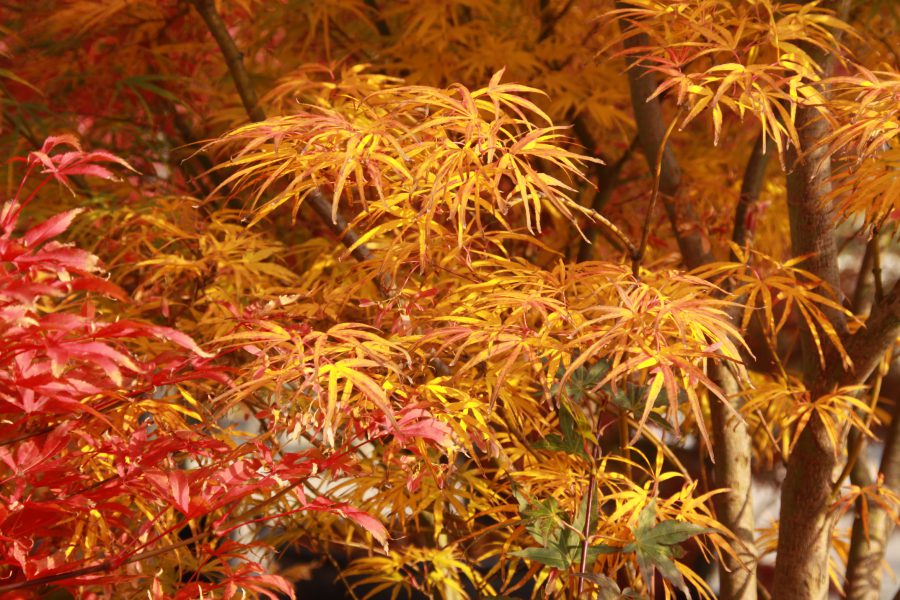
(334, 221)
(348, 236)
(645, 235)
(869, 343)
(806, 520)
(869, 540)
(876, 268)
(861, 288)
(104, 566)
(234, 58)
(380, 24)
(869, 537)
(659, 155)
(751, 186)
(607, 182)
(548, 24)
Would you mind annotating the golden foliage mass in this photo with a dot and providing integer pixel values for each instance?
(509, 414)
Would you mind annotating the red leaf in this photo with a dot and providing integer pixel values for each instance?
(361, 518)
(50, 228)
(182, 339)
(418, 423)
(55, 140)
(127, 328)
(367, 522)
(181, 490)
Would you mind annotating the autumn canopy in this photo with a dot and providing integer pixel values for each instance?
(449, 298)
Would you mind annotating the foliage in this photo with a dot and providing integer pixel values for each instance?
(443, 331)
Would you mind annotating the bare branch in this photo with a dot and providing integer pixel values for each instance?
(607, 182)
(652, 134)
(751, 186)
(549, 23)
(234, 58)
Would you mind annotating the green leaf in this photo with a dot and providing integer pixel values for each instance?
(632, 399)
(571, 441)
(656, 544)
(546, 556)
(669, 533)
(646, 519)
(608, 589)
(543, 520)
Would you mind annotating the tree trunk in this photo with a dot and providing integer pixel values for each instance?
(867, 552)
(804, 533)
(806, 521)
(734, 449)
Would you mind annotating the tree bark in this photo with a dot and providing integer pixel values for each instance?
(804, 536)
(806, 521)
(864, 568)
(732, 470)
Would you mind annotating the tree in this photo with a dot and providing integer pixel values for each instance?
(389, 281)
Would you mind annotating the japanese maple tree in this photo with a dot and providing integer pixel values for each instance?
(471, 298)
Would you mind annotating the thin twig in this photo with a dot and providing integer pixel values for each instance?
(645, 234)
(610, 176)
(765, 426)
(609, 225)
(624, 448)
(664, 448)
(586, 542)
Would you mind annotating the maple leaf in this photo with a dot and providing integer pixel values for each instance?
(656, 545)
